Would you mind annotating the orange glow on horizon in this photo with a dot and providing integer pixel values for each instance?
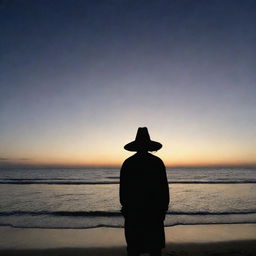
(177, 151)
(108, 162)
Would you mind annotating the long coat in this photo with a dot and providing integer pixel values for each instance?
(144, 196)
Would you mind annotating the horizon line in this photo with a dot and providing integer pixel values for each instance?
(119, 166)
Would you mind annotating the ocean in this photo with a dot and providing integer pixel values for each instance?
(89, 197)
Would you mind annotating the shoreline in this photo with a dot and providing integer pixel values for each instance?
(232, 248)
(213, 239)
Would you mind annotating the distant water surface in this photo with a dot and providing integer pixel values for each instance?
(85, 198)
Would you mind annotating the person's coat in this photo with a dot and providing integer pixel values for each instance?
(144, 196)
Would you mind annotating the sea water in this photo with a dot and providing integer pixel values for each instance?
(88, 197)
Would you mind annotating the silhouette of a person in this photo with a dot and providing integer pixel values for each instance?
(144, 196)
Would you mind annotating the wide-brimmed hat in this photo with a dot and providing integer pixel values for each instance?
(143, 142)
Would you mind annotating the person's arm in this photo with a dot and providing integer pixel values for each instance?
(165, 188)
(123, 188)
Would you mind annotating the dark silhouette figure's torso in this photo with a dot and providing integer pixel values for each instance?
(144, 196)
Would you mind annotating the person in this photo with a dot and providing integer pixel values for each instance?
(144, 196)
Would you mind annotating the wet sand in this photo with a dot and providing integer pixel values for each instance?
(183, 240)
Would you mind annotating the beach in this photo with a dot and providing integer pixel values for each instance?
(214, 239)
(77, 212)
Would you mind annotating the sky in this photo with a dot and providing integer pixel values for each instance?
(77, 79)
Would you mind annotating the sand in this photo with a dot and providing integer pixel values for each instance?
(183, 240)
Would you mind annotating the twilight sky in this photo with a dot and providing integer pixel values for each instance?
(77, 78)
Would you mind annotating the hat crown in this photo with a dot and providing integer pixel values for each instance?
(142, 135)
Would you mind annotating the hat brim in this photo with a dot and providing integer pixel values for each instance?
(149, 146)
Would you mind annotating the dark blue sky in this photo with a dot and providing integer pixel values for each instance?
(78, 77)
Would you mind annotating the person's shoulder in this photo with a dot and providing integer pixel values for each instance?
(155, 158)
(129, 159)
